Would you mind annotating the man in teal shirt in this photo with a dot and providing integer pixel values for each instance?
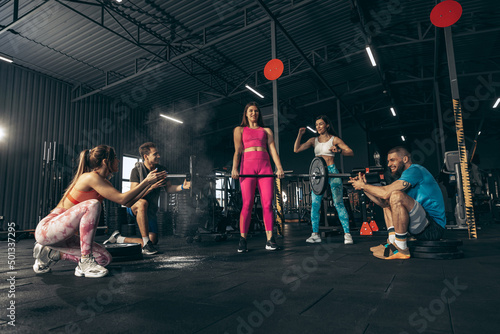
(413, 204)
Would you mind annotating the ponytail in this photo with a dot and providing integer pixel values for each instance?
(89, 161)
(83, 167)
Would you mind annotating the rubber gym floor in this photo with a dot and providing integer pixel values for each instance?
(208, 287)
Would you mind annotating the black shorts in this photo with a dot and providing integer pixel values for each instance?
(432, 231)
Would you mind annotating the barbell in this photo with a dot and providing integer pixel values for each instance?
(318, 175)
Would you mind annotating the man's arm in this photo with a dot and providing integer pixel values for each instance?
(175, 188)
(380, 202)
(381, 192)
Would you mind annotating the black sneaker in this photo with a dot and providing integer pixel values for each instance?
(271, 244)
(242, 247)
(149, 249)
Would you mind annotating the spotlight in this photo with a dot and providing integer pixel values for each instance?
(172, 119)
(254, 91)
(2, 133)
(311, 129)
(7, 59)
(496, 103)
(370, 54)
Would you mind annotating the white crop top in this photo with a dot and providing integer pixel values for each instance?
(323, 148)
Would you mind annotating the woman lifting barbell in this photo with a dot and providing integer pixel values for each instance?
(251, 142)
(326, 144)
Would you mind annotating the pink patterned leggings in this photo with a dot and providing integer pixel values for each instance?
(58, 229)
(256, 162)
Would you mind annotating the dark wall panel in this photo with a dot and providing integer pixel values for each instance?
(36, 109)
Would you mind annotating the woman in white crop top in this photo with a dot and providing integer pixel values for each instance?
(326, 144)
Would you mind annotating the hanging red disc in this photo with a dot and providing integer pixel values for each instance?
(274, 69)
(446, 13)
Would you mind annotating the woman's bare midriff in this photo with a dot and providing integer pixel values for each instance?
(329, 160)
(255, 148)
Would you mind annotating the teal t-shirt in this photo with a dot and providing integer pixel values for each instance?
(425, 190)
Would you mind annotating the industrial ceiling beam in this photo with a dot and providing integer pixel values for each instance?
(16, 20)
(308, 62)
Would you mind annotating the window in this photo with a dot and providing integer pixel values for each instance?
(219, 189)
(127, 166)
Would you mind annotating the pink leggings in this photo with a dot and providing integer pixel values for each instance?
(58, 229)
(256, 162)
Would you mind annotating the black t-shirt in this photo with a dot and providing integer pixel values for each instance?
(153, 196)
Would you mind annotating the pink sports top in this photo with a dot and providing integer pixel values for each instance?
(78, 196)
(254, 137)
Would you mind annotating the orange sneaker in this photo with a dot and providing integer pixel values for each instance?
(393, 252)
(380, 248)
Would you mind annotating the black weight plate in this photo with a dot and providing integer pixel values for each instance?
(438, 256)
(134, 257)
(123, 249)
(318, 166)
(443, 249)
(127, 229)
(437, 243)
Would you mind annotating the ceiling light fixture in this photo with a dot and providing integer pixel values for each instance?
(403, 138)
(311, 129)
(254, 91)
(172, 119)
(496, 103)
(479, 133)
(2, 133)
(7, 59)
(370, 54)
(393, 112)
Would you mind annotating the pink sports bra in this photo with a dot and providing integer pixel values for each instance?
(78, 196)
(254, 137)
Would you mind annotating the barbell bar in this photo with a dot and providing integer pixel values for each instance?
(318, 175)
(225, 175)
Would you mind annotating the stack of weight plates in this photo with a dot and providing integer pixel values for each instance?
(117, 217)
(165, 223)
(186, 220)
(128, 229)
(444, 249)
(124, 252)
(172, 202)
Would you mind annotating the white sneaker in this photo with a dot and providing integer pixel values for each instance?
(348, 239)
(88, 267)
(314, 238)
(113, 238)
(44, 257)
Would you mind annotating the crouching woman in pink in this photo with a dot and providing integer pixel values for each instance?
(79, 211)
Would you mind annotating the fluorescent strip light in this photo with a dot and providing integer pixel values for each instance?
(172, 119)
(479, 133)
(254, 91)
(311, 129)
(403, 138)
(6, 59)
(372, 59)
(496, 103)
(393, 112)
